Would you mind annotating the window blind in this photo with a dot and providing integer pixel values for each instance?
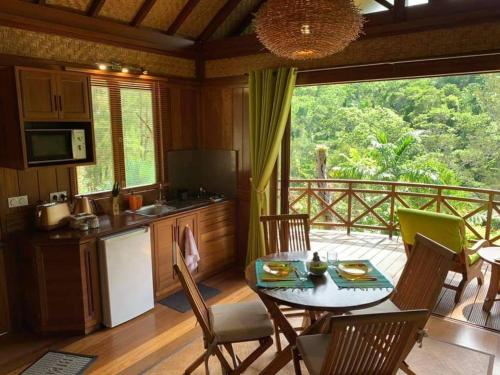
(130, 141)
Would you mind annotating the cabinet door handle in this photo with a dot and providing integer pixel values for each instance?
(55, 105)
(60, 103)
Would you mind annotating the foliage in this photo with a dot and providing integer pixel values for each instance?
(443, 130)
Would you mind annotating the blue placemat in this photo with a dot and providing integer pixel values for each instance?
(381, 282)
(292, 279)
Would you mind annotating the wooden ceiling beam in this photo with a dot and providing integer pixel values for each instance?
(385, 3)
(181, 17)
(218, 19)
(142, 12)
(239, 29)
(418, 18)
(95, 8)
(26, 15)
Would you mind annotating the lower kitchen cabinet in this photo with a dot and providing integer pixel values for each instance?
(61, 290)
(214, 232)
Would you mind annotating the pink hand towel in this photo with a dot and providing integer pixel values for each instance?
(191, 250)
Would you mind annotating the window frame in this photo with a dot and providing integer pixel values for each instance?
(159, 94)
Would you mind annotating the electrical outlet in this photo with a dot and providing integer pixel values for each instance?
(18, 201)
(58, 196)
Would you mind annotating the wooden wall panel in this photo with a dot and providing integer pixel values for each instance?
(216, 118)
(36, 184)
(224, 125)
(182, 127)
(4, 307)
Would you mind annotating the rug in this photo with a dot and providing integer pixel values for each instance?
(179, 302)
(60, 363)
(435, 357)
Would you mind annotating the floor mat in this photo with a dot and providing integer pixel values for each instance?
(179, 302)
(60, 363)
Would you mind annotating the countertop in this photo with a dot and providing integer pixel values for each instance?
(108, 225)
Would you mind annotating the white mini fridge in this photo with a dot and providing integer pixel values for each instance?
(126, 275)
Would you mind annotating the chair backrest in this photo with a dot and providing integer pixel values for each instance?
(373, 344)
(447, 230)
(286, 233)
(193, 294)
(424, 275)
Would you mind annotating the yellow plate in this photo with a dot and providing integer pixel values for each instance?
(277, 268)
(354, 269)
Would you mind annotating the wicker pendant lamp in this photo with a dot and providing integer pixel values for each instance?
(307, 29)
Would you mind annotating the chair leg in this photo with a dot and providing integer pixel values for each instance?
(193, 366)
(277, 336)
(296, 361)
(480, 279)
(460, 289)
(406, 368)
(265, 343)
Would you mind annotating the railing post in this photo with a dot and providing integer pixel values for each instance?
(489, 216)
(349, 207)
(309, 199)
(391, 215)
(438, 200)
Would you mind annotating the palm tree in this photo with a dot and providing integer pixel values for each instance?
(383, 160)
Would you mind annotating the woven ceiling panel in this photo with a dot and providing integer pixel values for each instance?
(237, 16)
(122, 10)
(81, 5)
(200, 18)
(163, 14)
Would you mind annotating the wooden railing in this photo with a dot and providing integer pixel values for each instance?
(372, 205)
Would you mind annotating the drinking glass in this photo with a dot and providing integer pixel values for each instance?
(333, 258)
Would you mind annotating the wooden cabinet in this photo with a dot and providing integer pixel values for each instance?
(214, 231)
(61, 286)
(163, 239)
(36, 102)
(38, 94)
(52, 95)
(74, 96)
(217, 237)
(165, 234)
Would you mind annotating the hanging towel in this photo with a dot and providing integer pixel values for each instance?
(191, 250)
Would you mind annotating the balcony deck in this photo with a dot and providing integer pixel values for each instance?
(388, 254)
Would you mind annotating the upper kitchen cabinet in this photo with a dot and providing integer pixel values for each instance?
(45, 118)
(38, 94)
(52, 95)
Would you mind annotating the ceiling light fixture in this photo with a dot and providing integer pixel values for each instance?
(307, 29)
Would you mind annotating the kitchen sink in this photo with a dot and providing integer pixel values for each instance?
(155, 210)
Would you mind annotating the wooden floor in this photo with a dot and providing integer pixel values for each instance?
(141, 343)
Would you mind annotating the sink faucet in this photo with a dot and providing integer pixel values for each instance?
(160, 200)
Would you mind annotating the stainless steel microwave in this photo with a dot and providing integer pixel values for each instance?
(55, 145)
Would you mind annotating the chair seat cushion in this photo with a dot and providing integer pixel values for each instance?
(313, 349)
(237, 322)
(386, 306)
(473, 258)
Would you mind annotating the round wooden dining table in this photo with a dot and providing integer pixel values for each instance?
(325, 297)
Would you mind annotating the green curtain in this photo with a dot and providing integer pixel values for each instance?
(270, 99)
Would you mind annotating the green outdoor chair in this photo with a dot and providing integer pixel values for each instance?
(449, 231)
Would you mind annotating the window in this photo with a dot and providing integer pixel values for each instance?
(126, 135)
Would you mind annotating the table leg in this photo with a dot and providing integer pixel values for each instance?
(285, 356)
(493, 288)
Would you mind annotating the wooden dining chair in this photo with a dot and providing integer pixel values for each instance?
(287, 233)
(224, 325)
(374, 344)
(449, 231)
(421, 282)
